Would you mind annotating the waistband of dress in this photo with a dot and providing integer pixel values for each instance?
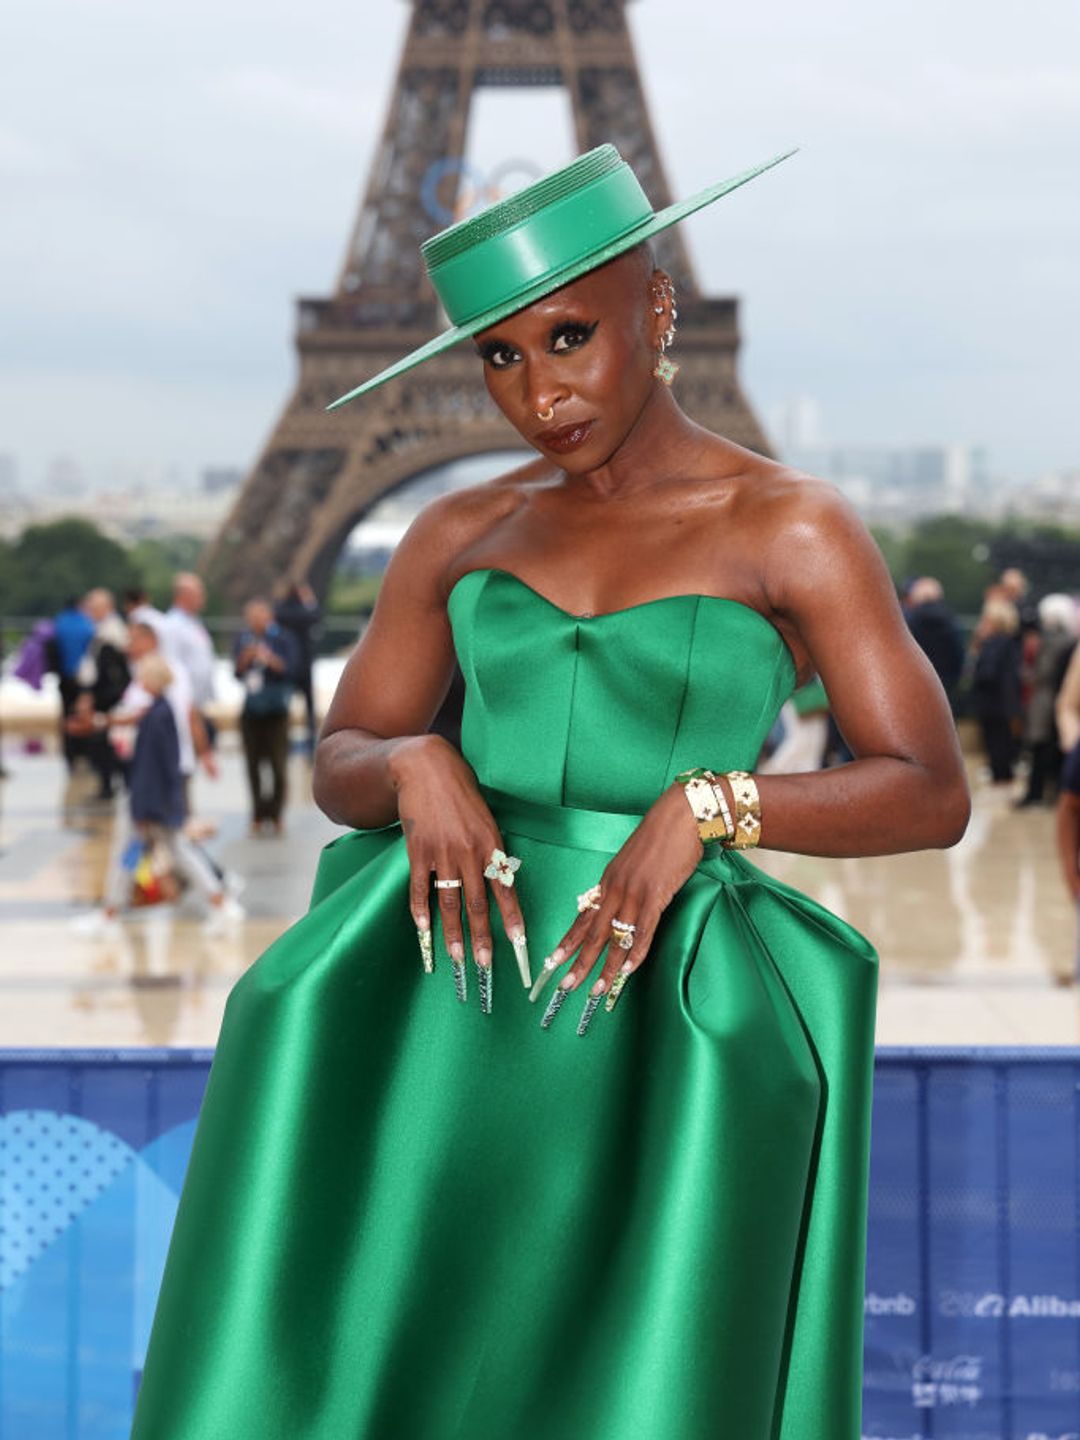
(602, 830)
(561, 824)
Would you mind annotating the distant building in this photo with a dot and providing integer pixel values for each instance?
(1055, 495)
(64, 480)
(221, 480)
(796, 425)
(9, 477)
(130, 515)
(902, 481)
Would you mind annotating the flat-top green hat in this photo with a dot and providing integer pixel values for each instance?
(538, 240)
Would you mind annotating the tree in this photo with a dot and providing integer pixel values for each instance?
(159, 560)
(893, 547)
(49, 563)
(6, 549)
(957, 551)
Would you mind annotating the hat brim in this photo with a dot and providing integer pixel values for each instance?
(657, 222)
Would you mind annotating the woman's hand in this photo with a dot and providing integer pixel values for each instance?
(636, 888)
(450, 833)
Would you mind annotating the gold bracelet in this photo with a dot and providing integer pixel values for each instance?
(709, 805)
(747, 810)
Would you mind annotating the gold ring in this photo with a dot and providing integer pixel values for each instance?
(623, 934)
(545, 415)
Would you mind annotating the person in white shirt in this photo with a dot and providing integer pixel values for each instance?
(186, 641)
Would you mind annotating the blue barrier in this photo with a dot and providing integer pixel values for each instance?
(973, 1270)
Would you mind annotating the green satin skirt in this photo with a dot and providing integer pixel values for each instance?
(407, 1220)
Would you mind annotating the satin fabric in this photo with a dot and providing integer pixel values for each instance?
(406, 1220)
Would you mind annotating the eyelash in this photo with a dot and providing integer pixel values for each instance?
(495, 348)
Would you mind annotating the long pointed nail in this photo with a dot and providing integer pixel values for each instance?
(427, 953)
(551, 964)
(617, 987)
(483, 980)
(521, 955)
(461, 985)
(592, 1004)
(555, 1004)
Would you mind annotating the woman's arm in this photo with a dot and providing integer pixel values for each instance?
(375, 763)
(392, 686)
(906, 789)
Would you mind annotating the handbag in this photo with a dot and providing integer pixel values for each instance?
(154, 880)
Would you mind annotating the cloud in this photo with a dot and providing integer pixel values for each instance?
(181, 171)
(22, 157)
(260, 94)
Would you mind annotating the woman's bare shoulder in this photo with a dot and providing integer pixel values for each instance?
(451, 525)
(808, 536)
(779, 504)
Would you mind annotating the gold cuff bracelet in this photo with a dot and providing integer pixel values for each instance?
(747, 810)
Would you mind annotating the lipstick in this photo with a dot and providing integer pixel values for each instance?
(565, 438)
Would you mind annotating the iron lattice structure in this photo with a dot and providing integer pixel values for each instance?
(319, 473)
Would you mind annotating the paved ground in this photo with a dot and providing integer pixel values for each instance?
(971, 940)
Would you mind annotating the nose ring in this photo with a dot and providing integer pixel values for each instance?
(548, 414)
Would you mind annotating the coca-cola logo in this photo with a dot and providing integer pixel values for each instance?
(938, 1381)
(956, 1367)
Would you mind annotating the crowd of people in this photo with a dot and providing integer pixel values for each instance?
(1020, 677)
(137, 691)
(1010, 675)
(137, 694)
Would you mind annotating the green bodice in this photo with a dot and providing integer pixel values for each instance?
(602, 712)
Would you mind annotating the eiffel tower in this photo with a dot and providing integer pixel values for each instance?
(319, 473)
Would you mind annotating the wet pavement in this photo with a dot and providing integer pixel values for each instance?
(972, 941)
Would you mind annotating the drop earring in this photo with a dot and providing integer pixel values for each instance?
(665, 370)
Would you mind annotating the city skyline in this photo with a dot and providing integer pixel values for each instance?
(170, 198)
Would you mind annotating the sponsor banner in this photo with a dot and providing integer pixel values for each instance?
(972, 1303)
(972, 1297)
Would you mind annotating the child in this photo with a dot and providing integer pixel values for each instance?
(158, 811)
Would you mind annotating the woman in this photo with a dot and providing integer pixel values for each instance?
(411, 1217)
(1057, 641)
(995, 686)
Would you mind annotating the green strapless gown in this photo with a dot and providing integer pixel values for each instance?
(407, 1220)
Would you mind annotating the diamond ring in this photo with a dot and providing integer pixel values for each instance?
(623, 934)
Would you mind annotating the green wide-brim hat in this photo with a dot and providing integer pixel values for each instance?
(554, 231)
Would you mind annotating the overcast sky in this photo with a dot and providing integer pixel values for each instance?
(174, 174)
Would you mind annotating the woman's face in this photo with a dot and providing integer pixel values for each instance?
(586, 352)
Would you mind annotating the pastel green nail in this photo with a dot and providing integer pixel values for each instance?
(617, 987)
(521, 955)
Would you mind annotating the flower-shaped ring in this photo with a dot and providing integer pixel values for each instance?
(501, 867)
(590, 900)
